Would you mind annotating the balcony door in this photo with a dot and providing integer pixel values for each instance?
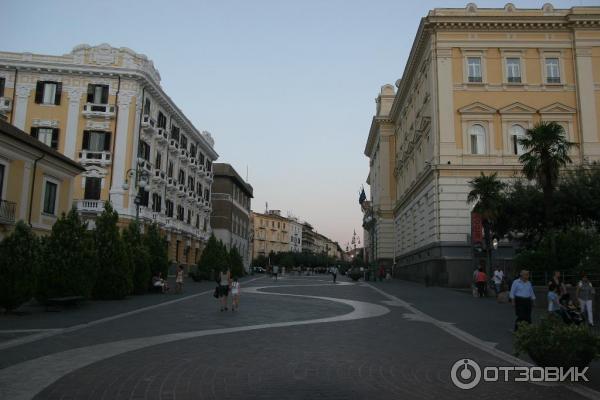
(92, 188)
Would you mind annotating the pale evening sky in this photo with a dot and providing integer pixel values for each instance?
(287, 88)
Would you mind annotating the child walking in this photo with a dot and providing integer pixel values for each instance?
(235, 292)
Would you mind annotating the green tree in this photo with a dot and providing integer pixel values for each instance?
(486, 193)
(546, 152)
(115, 272)
(157, 249)
(260, 261)
(236, 263)
(139, 257)
(288, 260)
(19, 253)
(67, 266)
(211, 260)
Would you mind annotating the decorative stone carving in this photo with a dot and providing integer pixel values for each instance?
(103, 54)
(125, 97)
(97, 125)
(207, 135)
(74, 93)
(23, 90)
(46, 123)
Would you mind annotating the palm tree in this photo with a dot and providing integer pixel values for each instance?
(486, 193)
(546, 152)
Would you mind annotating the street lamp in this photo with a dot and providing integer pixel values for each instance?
(140, 179)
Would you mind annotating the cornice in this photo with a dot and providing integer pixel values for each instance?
(376, 122)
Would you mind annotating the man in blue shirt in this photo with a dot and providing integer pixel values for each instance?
(522, 296)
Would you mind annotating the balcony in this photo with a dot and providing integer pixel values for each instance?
(193, 163)
(171, 184)
(181, 190)
(174, 146)
(105, 111)
(183, 155)
(88, 157)
(7, 212)
(5, 104)
(158, 175)
(144, 164)
(148, 124)
(162, 136)
(89, 206)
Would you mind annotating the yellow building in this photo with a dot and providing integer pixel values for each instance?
(36, 182)
(104, 107)
(271, 233)
(474, 81)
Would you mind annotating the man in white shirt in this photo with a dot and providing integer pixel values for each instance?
(334, 272)
(498, 278)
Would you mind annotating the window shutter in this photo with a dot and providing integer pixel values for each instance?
(54, 142)
(90, 93)
(86, 140)
(105, 95)
(34, 132)
(58, 93)
(107, 141)
(39, 92)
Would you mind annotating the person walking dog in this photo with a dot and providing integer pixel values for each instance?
(522, 296)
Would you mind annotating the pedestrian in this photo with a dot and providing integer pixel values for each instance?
(334, 272)
(159, 283)
(381, 273)
(179, 279)
(522, 296)
(481, 282)
(498, 278)
(554, 306)
(560, 285)
(275, 271)
(224, 281)
(585, 293)
(235, 293)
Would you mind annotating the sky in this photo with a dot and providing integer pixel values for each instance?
(287, 88)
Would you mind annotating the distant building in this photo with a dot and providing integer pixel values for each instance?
(271, 233)
(230, 218)
(36, 181)
(309, 244)
(295, 235)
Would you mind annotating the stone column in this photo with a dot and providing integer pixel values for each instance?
(119, 167)
(23, 211)
(445, 104)
(74, 94)
(21, 99)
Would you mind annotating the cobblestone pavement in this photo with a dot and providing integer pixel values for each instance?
(297, 338)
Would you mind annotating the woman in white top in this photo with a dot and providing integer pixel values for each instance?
(235, 292)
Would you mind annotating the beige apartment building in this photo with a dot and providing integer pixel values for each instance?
(104, 107)
(475, 80)
(271, 233)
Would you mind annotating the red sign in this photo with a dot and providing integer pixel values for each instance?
(476, 228)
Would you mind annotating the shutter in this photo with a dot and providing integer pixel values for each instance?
(90, 93)
(54, 142)
(105, 95)
(86, 140)
(39, 92)
(58, 93)
(34, 132)
(106, 141)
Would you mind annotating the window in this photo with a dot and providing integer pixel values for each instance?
(181, 177)
(477, 139)
(183, 142)
(170, 170)
(50, 198)
(513, 70)
(161, 121)
(169, 208)
(2, 84)
(517, 132)
(189, 217)
(552, 70)
(97, 94)
(93, 186)
(156, 202)
(147, 106)
(198, 188)
(208, 165)
(174, 132)
(474, 69)
(96, 141)
(190, 183)
(144, 197)
(192, 150)
(158, 160)
(48, 92)
(48, 136)
(200, 158)
(1, 179)
(144, 150)
(180, 212)
(206, 194)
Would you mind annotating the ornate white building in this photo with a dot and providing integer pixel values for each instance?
(104, 107)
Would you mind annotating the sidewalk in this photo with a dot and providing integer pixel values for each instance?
(484, 318)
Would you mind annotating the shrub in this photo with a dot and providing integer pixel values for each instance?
(115, 272)
(213, 259)
(355, 274)
(236, 263)
(139, 257)
(156, 246)
(67, 265)
(18, 257)
(552, 343)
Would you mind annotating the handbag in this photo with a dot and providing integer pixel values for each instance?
(216, 293)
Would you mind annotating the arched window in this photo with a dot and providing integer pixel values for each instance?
(517, 132)
(477, 139)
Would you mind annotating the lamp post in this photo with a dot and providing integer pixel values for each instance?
(140, 179)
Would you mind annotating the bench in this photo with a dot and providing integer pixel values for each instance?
(68, 301)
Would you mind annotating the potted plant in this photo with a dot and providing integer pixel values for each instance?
(552, 343)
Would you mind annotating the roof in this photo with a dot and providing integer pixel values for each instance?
(226, 170)
(17, 134)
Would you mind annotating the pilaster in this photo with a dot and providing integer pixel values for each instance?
(21, 98)
(74, 94)
(117, 194)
